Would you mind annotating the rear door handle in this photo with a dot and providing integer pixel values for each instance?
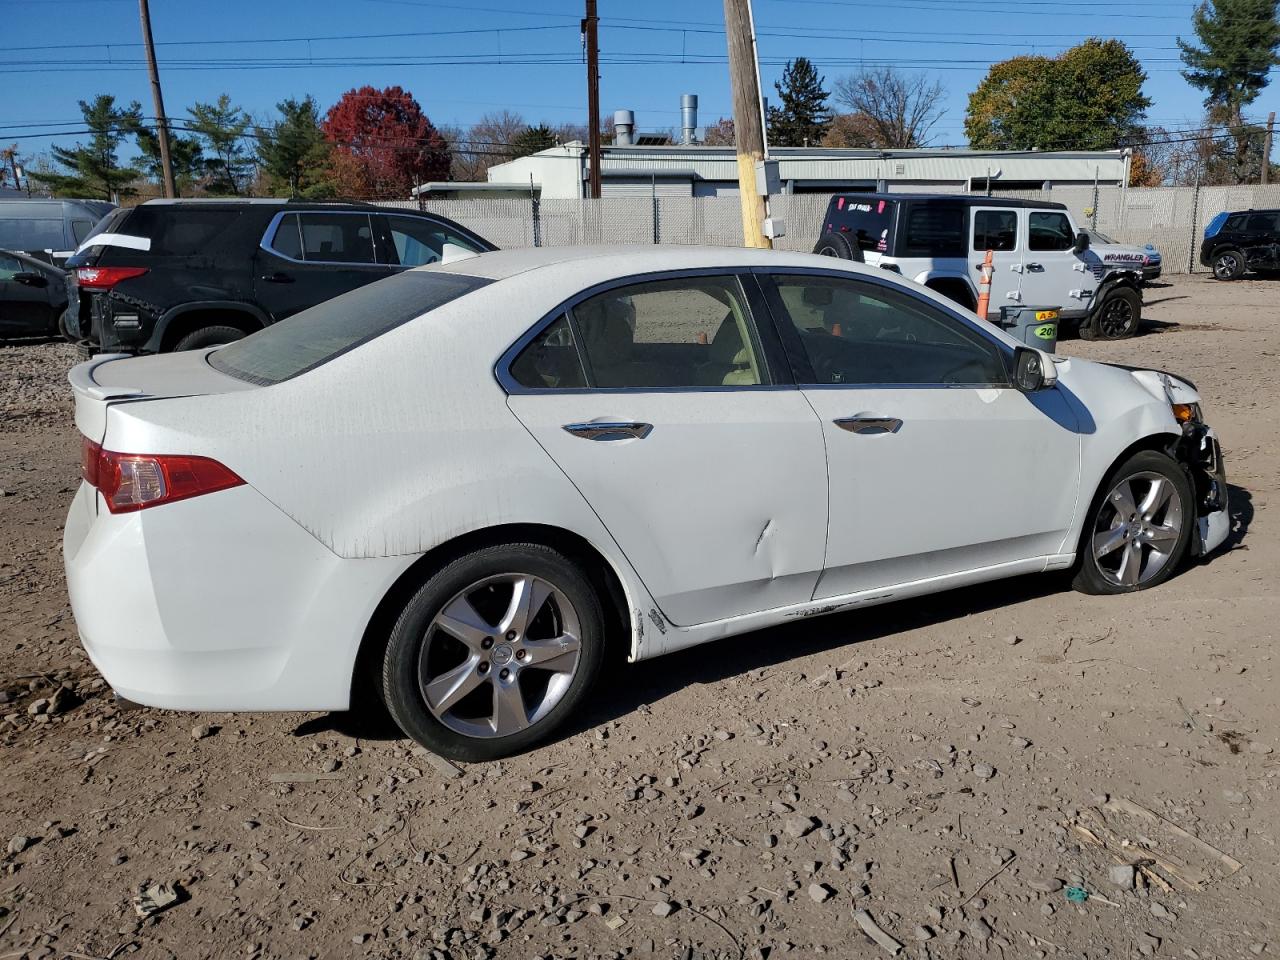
(278, 277)
(610, 430)
(1035, 268)
(868, 424)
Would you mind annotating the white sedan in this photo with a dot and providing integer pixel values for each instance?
(466, 486)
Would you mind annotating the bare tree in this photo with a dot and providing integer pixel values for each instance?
(486, 143)
(901, 107)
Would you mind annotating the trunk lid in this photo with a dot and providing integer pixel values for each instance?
(112, 378)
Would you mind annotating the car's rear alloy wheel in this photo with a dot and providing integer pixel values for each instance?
(494, 652)
(1229, 265)
(1140, 529)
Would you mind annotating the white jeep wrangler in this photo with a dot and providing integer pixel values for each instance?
(1041, 257)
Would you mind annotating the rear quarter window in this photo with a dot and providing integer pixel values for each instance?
(934, 230)
(315, 336)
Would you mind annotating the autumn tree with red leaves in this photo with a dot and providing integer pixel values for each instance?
(384, 145)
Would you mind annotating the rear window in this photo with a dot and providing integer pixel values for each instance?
(934, 230)
(867, 221)
(315, 336)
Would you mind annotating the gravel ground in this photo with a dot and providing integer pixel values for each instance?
(953, 765)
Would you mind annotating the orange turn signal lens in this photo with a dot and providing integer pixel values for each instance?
(1185, 412)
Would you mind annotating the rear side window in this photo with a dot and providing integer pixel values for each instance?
(868, 222)
(934, 230)
(995, 230)
(1261, 223)
(176, 230)
(315, 336)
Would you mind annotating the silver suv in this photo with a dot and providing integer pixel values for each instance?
(1041, 257)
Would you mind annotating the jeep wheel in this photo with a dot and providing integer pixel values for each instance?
(1118, 317)
(214, 336)
(838, 245)
(1228, 265)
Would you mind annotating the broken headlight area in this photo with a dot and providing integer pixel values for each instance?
(1200, 451)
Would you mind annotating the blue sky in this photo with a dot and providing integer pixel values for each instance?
(462, 59)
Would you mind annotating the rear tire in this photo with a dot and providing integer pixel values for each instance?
(1229, 264)
(214, 336)
(1138, 527)
(1117, 318)
(469, 677)
(838, 245)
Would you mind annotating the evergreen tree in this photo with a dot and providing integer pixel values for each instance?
(185, 155)
(95, 170)
(222, 128)
(295, 153)
(1238, 46)
(803, 117)
(532, 139)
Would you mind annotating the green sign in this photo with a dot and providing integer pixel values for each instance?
(1047, 331)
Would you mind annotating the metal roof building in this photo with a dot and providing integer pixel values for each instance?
(697, 170)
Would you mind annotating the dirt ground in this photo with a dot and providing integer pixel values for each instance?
(954, 765)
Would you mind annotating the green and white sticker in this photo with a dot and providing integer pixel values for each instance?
(1046, 331)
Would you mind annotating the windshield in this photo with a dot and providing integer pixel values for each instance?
(314, 337)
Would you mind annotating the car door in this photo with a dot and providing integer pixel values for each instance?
(406, 241)
(1263, 248)
(25, 307)
(306, 258)
(937, 465)
(674, 415)
(1049, 262)
(996, 229)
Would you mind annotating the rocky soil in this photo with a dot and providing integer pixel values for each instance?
(1011, 771)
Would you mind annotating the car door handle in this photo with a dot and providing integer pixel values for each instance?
(610, 430)
(278, 277)
(868, 424)
(1035, 268)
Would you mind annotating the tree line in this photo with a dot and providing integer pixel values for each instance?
(380, 143)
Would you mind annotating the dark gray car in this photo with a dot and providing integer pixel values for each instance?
(33, 296)
(49, 230)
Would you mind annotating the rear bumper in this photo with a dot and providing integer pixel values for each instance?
(220, 602)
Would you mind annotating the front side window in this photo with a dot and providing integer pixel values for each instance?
(1049, 231)
(418, 241)
(9, 267)
(858, 333)
(683, 333)
(995, 230)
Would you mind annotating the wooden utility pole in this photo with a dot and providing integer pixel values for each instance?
(589, 29)
(162, 125)
(748, 119)
(1266, 148)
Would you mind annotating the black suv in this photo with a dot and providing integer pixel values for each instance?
(184, 274)
(1235, 242)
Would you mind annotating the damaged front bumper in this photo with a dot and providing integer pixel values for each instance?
(1199, 451)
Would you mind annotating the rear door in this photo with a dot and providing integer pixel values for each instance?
(24, 303)
(306, 258)
(996, 229)
(1264, 240)
(673, 414)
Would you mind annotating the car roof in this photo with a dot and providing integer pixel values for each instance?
(630, 259)
(967, 199)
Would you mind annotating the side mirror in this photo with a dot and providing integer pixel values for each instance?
(1081, 244)
(1033, 370)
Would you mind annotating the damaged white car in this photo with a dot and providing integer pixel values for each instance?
(465, 486)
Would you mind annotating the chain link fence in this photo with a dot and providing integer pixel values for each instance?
(1171, 218)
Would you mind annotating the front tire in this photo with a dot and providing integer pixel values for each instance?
(1139, 526)
(1229, 264)
(1117, 318)
(494, 652)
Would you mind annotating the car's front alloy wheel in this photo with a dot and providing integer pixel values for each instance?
(1139, 530)
(494, 652)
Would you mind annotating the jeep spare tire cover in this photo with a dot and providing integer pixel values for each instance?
(838, 245)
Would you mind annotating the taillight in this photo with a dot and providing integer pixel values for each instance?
(135, 481)
(104, 278)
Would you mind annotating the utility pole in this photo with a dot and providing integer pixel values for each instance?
(589, 29)
(162, 125)
(748, 119)
(1266, 148)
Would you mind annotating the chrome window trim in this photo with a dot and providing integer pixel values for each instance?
(1004, 351)
(265, 242)
(502, 369)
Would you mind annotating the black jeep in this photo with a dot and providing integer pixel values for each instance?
(1235, 242)
(184, 274)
